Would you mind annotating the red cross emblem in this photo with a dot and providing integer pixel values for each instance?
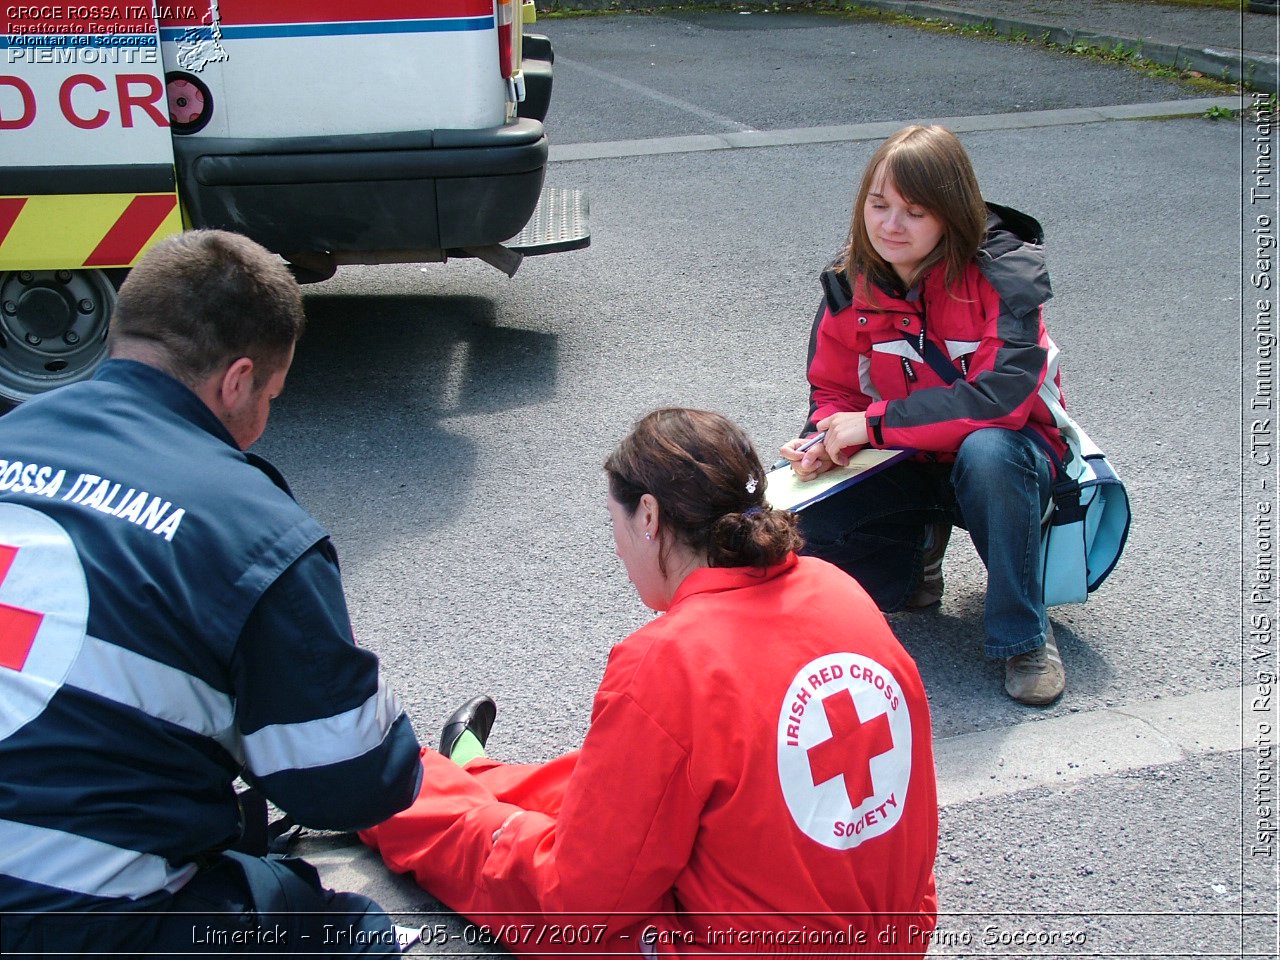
(18, 627)
(851, 747)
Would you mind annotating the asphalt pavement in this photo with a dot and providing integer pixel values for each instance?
(448, 425)
(1233, 43)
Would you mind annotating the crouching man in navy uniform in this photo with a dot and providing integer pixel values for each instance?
(171, 618)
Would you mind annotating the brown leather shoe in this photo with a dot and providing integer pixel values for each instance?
(1036, 677)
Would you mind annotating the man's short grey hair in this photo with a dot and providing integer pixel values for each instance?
(201, 299)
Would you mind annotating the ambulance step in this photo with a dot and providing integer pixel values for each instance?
(560, 222)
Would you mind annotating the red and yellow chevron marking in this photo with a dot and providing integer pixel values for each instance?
(74, 231)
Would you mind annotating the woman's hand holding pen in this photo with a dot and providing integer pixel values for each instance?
(814, 455)
(818, 453)
(807, 456)
(846, 434)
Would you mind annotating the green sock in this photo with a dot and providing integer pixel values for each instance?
(467, 748)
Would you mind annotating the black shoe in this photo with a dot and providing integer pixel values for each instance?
(475, 715)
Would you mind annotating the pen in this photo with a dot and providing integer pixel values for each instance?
(813, 441)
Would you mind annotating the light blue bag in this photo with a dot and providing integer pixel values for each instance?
(1088, 522)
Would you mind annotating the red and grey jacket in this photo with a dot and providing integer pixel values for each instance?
(866, 351)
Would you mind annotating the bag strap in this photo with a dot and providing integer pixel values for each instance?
(944, 367)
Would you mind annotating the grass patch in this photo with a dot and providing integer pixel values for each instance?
(1130, 55)
(1207, 4)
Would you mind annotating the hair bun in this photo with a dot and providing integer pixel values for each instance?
(757, 537)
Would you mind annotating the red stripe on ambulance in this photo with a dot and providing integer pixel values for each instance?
(10, 207)
(130, 233)
(253, 12)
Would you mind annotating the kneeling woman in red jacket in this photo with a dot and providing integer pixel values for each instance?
(758, 773)
(930, 336)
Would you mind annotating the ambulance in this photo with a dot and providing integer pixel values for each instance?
(383, 131)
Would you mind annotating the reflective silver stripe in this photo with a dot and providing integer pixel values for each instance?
(899, 348)
(864, 378)
(71, 862)
(159, 691)
(317, 743)
(961, 348)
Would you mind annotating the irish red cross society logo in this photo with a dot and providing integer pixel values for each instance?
(44, 609)
(844, 750)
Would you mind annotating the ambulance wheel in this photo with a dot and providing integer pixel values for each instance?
(53, 328)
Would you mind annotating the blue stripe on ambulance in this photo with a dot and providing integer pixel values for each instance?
(268, 31)
(77, 41)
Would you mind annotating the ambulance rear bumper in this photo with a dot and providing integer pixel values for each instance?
(427, 190)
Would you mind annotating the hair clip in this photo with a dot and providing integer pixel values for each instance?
(752, 483)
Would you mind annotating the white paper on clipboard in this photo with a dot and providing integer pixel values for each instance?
(784, 491)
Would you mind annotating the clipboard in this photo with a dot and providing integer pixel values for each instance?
(784, 491)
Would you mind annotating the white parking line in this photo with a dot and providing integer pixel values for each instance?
(993, 763)
(854, 132)
(727, 122)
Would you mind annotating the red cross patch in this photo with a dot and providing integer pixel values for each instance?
(18, 627)
(844, 749)
(852, 745)
(44, 610)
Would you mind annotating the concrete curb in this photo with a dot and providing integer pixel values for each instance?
(975, 766)
(855, 132)
(1232, 66)
(995, 763)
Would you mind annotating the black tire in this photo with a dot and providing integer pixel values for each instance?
(53, 328)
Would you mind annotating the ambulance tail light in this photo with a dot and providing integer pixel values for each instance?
(506, 37)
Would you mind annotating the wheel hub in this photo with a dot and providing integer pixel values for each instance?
(53, 329)
(43, 313)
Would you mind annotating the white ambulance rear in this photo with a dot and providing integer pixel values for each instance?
(332, 133)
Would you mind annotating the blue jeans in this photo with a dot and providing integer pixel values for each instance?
(998, 489)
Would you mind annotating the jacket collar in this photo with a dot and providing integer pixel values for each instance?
(164, 392)
(720, 579)
(836, 292)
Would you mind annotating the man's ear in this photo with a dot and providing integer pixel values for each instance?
(236, 383)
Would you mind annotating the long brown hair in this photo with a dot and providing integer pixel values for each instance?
(709, 483)
(930, 168)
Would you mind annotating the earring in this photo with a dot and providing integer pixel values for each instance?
(648, 536)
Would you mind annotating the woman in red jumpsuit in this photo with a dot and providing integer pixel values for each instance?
(758, 773)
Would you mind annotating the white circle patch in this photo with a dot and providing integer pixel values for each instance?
(44, 611)
(844, 750)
